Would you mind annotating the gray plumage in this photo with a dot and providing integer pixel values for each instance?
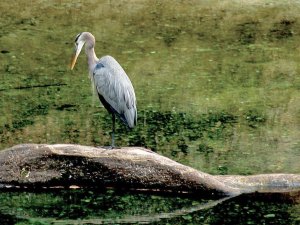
(110, 81)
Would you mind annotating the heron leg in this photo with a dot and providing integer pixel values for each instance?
(113, 131)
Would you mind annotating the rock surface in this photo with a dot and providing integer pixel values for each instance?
(131, 168)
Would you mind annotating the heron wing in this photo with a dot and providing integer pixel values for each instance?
(115, 88)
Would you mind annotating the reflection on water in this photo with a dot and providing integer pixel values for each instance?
(217, 83)
(109, 207)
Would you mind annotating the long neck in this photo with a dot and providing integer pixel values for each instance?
(91, 57)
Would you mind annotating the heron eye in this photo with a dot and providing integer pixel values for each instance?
(75, 46)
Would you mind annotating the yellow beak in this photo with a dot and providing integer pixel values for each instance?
(73, 61)
(76, 54)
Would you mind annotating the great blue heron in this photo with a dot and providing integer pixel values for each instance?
(110, 81)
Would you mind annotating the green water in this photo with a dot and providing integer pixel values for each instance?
(217, 83)
(109, 207)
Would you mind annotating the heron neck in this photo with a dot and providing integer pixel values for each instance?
(92, 58)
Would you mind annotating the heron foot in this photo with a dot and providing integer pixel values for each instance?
(109, 147)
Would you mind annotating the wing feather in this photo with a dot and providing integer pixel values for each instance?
(112, 83)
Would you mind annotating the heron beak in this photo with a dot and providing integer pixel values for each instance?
(73, 61)
(76, 54)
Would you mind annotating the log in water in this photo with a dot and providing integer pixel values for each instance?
(131, 168)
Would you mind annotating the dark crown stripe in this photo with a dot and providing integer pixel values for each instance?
(78, 35)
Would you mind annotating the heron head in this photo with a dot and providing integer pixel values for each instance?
(79, 42)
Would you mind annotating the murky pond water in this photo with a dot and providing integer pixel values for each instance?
(109, 207)
(217, 83)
